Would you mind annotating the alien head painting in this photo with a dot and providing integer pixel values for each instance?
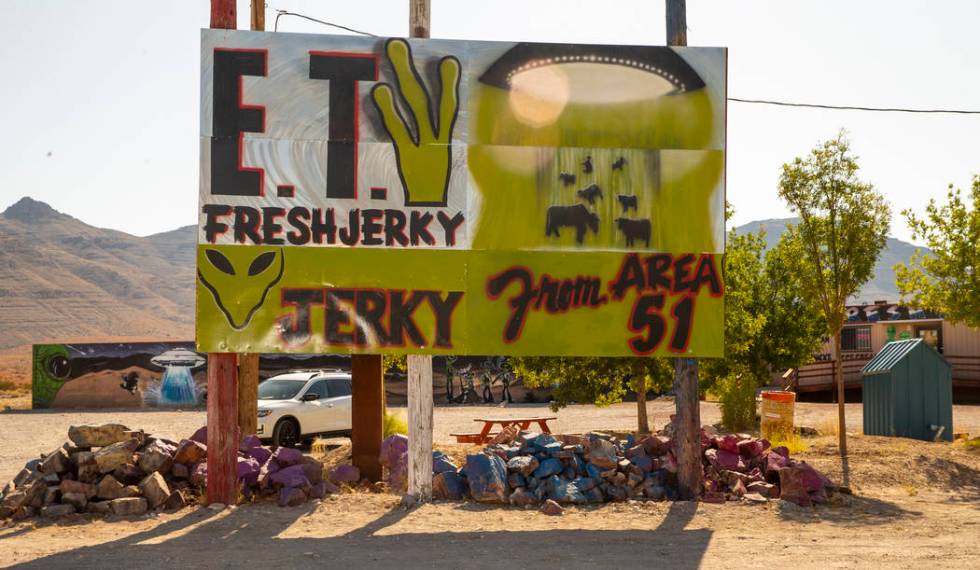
(454, 162)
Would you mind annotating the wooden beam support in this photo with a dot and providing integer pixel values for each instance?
(222, 428)
(258, 15)
(420, 427)
(223, 15)
(222, 420)
(687, 404)
(367, 409)
(248, 393)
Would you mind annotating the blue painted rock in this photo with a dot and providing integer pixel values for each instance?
(602, 453)
(442, 464)
(260, 454)
(250, 441)
(487, 477)
(248, 470)
(548, 467)
(521, 497)
(643, 462)
(292, 476)
(447, 485)
(585, 483)
(291, 497)
(523, 464)
(516, 480)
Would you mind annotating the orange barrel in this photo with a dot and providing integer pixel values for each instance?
(777, 413)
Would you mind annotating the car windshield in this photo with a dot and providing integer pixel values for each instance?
(273, 389)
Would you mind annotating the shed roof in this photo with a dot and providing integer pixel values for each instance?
(891, 354)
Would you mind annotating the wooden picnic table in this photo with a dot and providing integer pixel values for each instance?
(485, 436)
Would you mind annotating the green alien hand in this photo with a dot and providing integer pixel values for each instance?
(425, 157)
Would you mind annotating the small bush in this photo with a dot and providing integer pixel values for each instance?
(736, 395)
(395, 422)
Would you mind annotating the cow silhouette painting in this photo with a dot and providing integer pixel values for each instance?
(620, 163)
(577, 216)
(626, 202)
(567, 178)
(590, 193)
(634, 230)
(587, 165)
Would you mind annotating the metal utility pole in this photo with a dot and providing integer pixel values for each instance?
(687, 438)
(419, 366)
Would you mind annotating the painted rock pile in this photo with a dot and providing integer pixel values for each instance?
(109, 468)
(532, 468)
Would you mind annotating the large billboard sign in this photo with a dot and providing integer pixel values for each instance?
(452, 197)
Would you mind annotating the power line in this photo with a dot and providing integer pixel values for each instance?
(281, 13)
(853, 107)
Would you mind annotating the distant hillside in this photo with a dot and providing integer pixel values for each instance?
(882, 285)
(60, 277)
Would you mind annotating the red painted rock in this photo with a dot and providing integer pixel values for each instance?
(791, 486)
(199, 475)
(552, 508)
(727, 443)
(750, 448)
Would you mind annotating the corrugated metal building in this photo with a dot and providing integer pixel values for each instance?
(908, 392)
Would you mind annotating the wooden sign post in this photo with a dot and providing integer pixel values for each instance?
(419, 366)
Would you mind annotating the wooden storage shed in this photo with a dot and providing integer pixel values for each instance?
(908, 392)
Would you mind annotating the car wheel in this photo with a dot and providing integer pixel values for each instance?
(286, 433)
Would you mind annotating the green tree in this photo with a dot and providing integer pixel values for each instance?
(769, 325)
(946, 280)
(602, 381)
(842, 229)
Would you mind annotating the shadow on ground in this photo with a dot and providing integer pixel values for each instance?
(249, 536)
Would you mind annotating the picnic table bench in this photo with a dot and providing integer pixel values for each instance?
(484, 435)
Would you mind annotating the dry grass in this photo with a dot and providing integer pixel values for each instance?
(791, 441)
(827, 426)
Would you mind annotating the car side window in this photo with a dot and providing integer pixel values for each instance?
(338, 387)
(319, 388)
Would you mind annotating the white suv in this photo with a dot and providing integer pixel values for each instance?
(296, 406)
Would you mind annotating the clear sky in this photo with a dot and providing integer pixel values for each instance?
(99, 99)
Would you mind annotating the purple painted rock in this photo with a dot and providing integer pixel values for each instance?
(292, 476)
(248, 470)
(393, 450)
(250, 441)
(268, 469)
(179, 471)
(260, 454)
(313, 470)
(724, 459)
(291, 497)
(286, 456)
(319, 490)
(201, 435)
(487, 476)
(199, 475)
(345, 474)
(713, 497)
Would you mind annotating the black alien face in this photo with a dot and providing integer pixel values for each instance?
(239, 279)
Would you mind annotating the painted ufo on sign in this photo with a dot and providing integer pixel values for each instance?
(179, 357)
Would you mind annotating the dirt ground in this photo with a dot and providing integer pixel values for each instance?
(915, 504)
